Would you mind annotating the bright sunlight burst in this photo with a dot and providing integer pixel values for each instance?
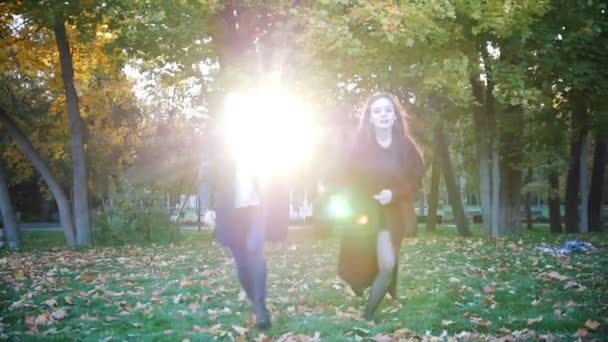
(271, 130)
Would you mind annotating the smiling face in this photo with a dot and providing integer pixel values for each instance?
(382, 113)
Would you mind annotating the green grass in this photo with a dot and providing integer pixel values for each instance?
(189, 290)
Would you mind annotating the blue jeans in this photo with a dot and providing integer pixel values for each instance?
(249, 256)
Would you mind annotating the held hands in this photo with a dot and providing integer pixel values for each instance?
(384, 197)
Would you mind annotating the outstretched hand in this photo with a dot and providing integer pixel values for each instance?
(384, 197)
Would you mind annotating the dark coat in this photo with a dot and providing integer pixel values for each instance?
(369, 170)
(217, 188)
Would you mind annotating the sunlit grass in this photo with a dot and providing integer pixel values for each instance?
(189, 289)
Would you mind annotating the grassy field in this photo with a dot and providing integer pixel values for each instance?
(475, 288)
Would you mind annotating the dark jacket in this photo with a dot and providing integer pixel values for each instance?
(217, 189)
(370, 169)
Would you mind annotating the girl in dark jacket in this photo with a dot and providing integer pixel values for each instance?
(384, 171)
(247, 214)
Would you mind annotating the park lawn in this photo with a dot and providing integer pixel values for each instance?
(469, 288)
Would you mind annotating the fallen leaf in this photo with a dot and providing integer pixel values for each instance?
(582, 332)
(19, 275)
(86, 317)
(593, 325)
(547, 338)
(88, 277)
(504, 331)
(446, 323)
(240, 330)
(480, 323)
(574, 285)
(535, 320)
(50, 303)
(44, 318)
(555, 275)
(361, 331)
(58, 314)
(488, 289)
(194, 307)
(559, 313)
(32, 325)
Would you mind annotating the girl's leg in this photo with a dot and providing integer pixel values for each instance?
(386, 264)
(242, 270)
(251, 265)
(255, 253)
(257, 267)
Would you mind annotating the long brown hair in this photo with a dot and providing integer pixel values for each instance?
(365, 129)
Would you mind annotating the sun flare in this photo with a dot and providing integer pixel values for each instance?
(270, 130)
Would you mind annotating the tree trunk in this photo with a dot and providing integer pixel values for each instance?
(65, 212)
(434, 197)
(449, 177)
(496, 190)
(584, 183)
(572, 184)
(486, 190)
(510, 199)
(511, 176)
(13, 238)
(484, 154)
(528, 201)
(597, 185)
(555, 215)
(77, 133)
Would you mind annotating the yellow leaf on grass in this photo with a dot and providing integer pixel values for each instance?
(44, 318)
(88, 277)
(19, 275)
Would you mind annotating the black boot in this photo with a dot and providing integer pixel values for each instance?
(377, 293)
(262, 315)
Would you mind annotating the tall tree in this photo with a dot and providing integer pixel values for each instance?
(600, 158)
(431, 216)
(13, 236)
(462, 223)
(569, 45)
(65, 211)
(80, 185)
